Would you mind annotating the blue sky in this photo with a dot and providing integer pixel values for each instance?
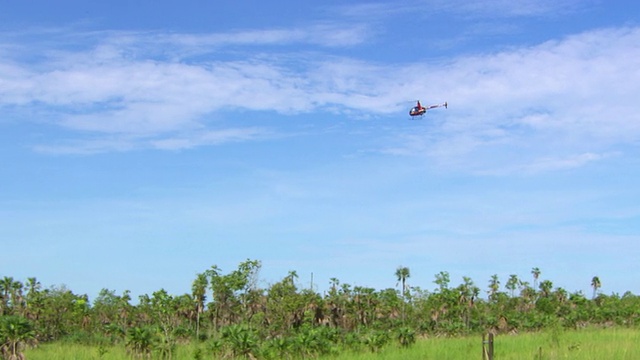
(145, 141)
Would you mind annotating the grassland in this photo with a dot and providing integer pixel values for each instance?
(610, 344)
(586, 344)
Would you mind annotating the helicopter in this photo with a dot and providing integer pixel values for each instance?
(420, 110)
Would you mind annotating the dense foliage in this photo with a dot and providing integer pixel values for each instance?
(228, 315)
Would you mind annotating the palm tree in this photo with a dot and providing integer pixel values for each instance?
(33, 286)
(15, 332)
(33, 296)
(468, 292)
(199, 290)
(17, 298)
(536, 274)
(527, 293)
(334, 285)
(512, 284)
(406, 336)
(595, 284)
(241, 339)
(6, 284)
(140, 341)
(403, 273)
(545, 288)
(125, 309)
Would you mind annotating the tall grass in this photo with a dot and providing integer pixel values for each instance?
(67, 351)
(587, 344)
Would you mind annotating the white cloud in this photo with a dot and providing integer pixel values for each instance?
(560, 98)
(552, 101)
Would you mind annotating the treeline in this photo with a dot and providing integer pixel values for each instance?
(228, 314)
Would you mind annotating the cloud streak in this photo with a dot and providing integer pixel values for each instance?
(505, 8)
(483, 9)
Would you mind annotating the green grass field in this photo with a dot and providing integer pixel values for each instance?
(609, 344)
(594, 344)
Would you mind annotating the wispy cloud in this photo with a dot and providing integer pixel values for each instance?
(124, 85)
(506, 8)
(550, 164)
(551, 101)
(473, 9)
(211, 137)
(557, 99)
(183, 141)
